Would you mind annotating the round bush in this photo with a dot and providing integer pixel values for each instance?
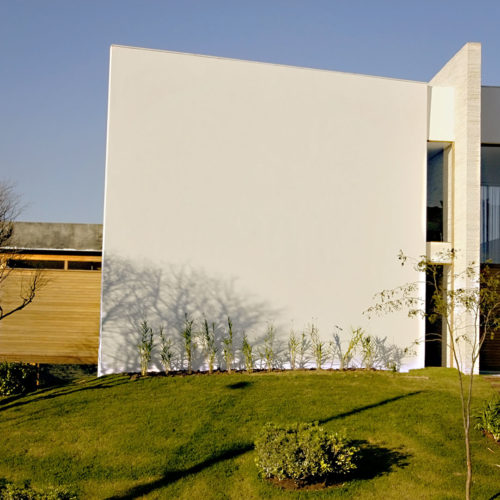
(305, 453)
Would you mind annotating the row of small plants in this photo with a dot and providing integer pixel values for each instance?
(371, 352)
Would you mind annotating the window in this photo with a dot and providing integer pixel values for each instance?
(490, 204)
(84, 266)
(35, 264)
(437, 159)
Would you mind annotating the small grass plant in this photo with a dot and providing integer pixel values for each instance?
(228, 348)
(368, 350)
(166, 350)
(145, 346)
(355, 339)
(209, 345)
(268, 353)
(303, 350)
(293, 349)
(318, 347)
(247, 351)
(189, 343)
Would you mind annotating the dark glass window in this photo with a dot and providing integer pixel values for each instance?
(35, 264)
(84, 266)
(490, 204)
(435, 190)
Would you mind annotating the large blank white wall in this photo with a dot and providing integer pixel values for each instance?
(266, 192)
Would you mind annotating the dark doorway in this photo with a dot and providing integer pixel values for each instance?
(434, 328)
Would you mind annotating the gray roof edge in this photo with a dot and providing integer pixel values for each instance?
(59, 236)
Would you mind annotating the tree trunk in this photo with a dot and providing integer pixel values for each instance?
(468, 482)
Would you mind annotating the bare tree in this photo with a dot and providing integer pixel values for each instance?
(10, 208)
(470, 314)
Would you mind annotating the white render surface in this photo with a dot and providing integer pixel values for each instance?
(441, 114)
(267, 193)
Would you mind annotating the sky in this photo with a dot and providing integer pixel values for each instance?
(54, 57)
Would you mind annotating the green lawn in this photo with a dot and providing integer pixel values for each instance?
(190, 437)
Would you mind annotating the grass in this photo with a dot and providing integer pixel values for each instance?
(191, 437)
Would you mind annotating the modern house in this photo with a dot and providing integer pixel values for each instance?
(62, 324)
(277, 194)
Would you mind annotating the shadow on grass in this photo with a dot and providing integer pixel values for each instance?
(171, 476)
(240, 385)
(377, 460)
(368, 407)
(373, 461)
(64, 390)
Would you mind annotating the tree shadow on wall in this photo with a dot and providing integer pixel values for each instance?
(164, 295)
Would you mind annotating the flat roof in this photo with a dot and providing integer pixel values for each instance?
(56, 236)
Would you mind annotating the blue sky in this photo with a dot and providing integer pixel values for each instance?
(54, 58)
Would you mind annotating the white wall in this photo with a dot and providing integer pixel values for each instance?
(441, 114)
(266, 192)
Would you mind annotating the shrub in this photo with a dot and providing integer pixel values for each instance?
(10, 491)
(305, 453)
(488, 418)
(16, 378)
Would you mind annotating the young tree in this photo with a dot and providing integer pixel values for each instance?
(9, 210)
(470, 314)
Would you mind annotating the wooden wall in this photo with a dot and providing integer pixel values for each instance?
(62, 323)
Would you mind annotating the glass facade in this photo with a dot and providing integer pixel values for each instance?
(490, 204)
